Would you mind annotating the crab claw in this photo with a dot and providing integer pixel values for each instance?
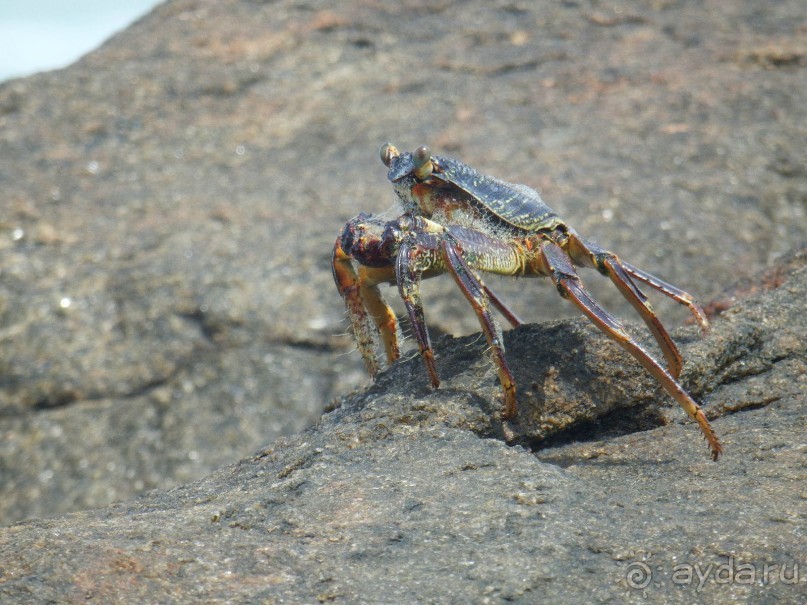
(370, 241)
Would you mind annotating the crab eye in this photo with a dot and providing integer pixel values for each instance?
(387, 152)
(422, 160)
(422, 155)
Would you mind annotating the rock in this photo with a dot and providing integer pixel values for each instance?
(404, 495)
(169, 204)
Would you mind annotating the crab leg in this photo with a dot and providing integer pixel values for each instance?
(508, 314)
(581, 250)
(359, 289)
(608, 264)
(477, 296)
(349, 286)
(380, 311)
(431, 251)
(412, 259)
(487, 254)
(678, 295)
(560, 268)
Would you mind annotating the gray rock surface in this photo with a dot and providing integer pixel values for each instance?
(402, 495)
(168, 205)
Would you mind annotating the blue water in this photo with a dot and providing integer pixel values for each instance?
(38, 35)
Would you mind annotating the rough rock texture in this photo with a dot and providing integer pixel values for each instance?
(400, 495)
(168, 206)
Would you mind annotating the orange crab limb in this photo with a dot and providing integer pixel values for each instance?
(671, 291)
(608, 264)
(565, 277)
(380, 311)
(349, 286)
(477, 295)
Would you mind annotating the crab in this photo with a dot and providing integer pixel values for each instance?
(458, 221)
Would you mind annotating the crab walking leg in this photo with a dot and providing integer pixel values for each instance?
(617, 275)
(409, 265)
(560, 268)
(433, 252)
(678, 295)
(508, 314)
(608, 264)
(349, 286)
(475, 292)
(493, 256)
(380, 311)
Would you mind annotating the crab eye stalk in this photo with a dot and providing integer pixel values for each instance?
(387, 152)
(422, 158)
